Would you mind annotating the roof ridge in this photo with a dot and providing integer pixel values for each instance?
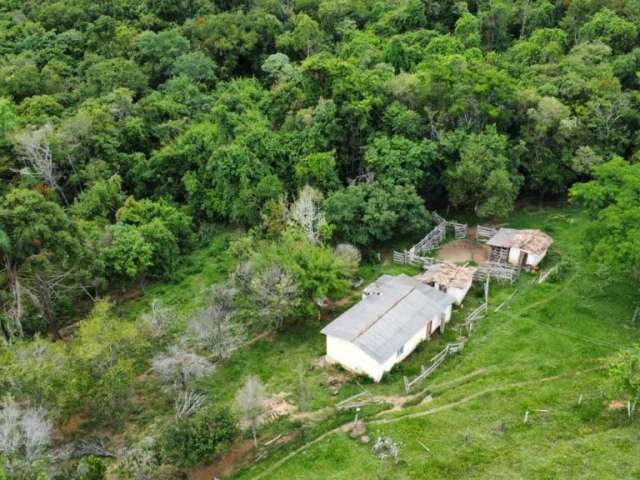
(379, 317)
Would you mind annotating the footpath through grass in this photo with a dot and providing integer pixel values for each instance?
(544, 351)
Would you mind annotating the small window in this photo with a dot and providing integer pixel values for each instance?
(400, 351)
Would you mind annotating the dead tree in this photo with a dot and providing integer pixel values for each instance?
(241, 277)
(250, 402)
(306, 212)
(178, 368)
(160, 319)
(138, 461)
(189, 402)
(34, 148)
(349, 253)
(276, 293)
(44, 284)
(12, 325)
(25, 434)
(213, 327)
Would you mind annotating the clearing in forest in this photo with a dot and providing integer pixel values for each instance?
(527, 397)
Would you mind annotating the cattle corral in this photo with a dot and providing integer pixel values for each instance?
(509, 251)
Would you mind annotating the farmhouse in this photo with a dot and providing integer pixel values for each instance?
(519, 247)
(394, 316)
(449, 278)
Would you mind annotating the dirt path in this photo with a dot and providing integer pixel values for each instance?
(225, 465)
(423, 413)
(473, 396)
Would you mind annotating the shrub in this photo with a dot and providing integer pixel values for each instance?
(194, 440)
(91, 468)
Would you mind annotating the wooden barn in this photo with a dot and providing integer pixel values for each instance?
(451, 279)
(525, 248)
(394, 316)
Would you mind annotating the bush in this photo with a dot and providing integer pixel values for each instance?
(194, 440)
(91, 468)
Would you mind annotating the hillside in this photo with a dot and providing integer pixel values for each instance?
(544, 352)
(190, 191)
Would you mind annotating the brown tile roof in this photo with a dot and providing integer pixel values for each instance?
(529, 240)
(449, 275)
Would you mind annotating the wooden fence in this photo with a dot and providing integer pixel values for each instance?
(438, 219)
(408, 258)
(483, 233)
(474, 316)
(356, 401)
(459, 230)
(499, 254)
(435, 363)
(499, 271)
(431, 241)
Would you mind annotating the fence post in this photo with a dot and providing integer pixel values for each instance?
(407, 387)
(486, 290)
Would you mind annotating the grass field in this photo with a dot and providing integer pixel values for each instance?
(541, 352)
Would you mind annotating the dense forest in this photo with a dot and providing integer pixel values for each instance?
(134, 132)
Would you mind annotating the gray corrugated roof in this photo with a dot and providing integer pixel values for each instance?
(394, 311)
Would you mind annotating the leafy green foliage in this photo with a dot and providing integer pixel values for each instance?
(127, 254)
(199, 438)
(613, 198)
(160, 119)
(368, 213)
(624, 372)
(90, 468)
(482, 178)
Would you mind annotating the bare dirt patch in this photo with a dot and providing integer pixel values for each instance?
(616, 405)
(73, 424)
(226, 464)
(461, 251)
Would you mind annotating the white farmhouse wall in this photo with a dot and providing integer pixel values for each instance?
(532, 259)
(514, 256)
(409, 347)
(352, 358)
(447, 314)
(458, 293)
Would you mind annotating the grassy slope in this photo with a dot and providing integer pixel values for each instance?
(542, 350)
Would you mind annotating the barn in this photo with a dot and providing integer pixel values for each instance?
(526, 248)
(395, 314)
(452, 279)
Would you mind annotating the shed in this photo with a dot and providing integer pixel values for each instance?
(394, 316)
(519, 247)
(452, 279)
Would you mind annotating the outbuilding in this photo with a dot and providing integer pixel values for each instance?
(452, 279)
(525, 248)
(395, 314)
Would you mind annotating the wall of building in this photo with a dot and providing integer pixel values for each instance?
(458, 293)
(514, 256)
(532, 259)
(354, 359)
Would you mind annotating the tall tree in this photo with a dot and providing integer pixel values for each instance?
(33, 226)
